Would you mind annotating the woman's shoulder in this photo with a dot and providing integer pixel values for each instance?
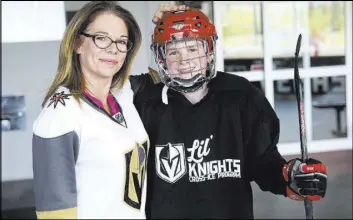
(58, 116)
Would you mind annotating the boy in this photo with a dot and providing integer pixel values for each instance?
(211, 133)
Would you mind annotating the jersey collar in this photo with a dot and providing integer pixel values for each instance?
(114, 107)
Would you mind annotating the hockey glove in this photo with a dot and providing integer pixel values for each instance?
(305, 179)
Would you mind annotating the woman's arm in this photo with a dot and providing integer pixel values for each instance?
(55, 146)
(54, 175)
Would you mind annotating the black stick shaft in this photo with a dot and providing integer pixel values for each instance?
(303, 142)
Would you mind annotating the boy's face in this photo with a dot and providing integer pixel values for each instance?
(186, 59)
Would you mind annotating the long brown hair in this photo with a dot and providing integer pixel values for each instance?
(69, 68)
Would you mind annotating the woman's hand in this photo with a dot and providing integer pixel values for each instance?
(165, 8)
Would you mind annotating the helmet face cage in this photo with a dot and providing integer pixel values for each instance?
(185, 65)
(183, 46)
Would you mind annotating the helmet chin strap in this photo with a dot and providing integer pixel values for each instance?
(182, 89)
(188, 85)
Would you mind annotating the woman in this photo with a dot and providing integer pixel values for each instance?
(89, 144)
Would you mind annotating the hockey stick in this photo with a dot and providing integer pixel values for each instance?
(303, 143)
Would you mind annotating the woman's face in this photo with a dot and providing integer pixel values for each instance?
(98, 62)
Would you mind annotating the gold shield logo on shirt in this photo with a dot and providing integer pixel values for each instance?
(135, 174)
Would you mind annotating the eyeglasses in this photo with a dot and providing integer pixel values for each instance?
(103, 42)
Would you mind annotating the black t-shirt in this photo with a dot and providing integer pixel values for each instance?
(204, 156)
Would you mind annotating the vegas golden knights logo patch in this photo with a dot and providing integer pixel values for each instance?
(170, 162)
(136, 161)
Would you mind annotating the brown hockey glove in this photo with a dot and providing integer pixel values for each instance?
(305, 179)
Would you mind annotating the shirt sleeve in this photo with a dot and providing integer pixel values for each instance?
(55, 146)
(265, 162)
(140, 82)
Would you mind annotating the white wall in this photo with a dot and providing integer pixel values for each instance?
(27, 23)
(74, 5)
(28, 68)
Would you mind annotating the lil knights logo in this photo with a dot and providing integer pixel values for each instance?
(170, 162)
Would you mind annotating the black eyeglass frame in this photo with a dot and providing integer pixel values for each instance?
(93, 37)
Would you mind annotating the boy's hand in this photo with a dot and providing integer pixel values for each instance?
(164, 8)
(305, 179)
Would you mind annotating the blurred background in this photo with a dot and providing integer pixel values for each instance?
(256, 40)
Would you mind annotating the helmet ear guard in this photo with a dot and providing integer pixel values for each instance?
(184, 25)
